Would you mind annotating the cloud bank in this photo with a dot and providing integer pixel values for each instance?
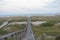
(30, 6)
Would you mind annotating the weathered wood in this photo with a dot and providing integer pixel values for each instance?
(57, 38)
(2, 39)
(12, 36)
(6, 38)
(20, 35)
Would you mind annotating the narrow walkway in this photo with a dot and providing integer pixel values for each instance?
(29, 33)
(26, 34)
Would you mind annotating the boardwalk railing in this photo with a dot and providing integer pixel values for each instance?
(15, 35)
(25, 34)
(5, 24)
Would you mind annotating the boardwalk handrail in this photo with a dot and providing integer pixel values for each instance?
(20, 32)
(7, 35)
(13, 34)
(5, 24)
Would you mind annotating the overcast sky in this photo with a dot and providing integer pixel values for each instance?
(29, 6)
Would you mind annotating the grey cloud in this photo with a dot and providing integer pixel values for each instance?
(54, 4)
(1, 0)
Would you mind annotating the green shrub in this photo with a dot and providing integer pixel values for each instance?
(58, 38)
(2, 32)
(1, 23)
(47, 24)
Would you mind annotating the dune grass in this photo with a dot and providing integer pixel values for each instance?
(14, 19)
(12, 28)
(46, 18)
(19, 19)
(1, 23)
(47, 28)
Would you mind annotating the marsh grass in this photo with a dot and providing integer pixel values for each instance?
(46, 18)
(48, 24)
(14, 19)
(12, 28)
(1, 23)
(3, 32)
(50, 31)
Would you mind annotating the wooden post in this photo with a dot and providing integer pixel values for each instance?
(12, 36)
(5, 38)
(44, 37)
(17, 36)
(2, 39)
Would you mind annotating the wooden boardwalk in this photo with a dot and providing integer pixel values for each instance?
(25, 34)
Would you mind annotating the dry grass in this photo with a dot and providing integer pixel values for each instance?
(46, 18)
(50, 31)
(12, 28)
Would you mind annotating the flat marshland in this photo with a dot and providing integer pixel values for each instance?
(13, 27)
(51, 28)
